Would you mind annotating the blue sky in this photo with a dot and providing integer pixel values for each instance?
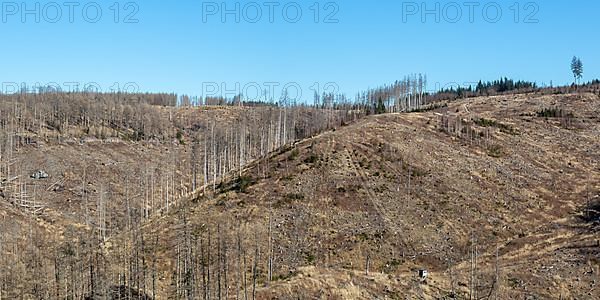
(185, 46)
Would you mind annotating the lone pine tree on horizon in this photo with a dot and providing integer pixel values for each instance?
(577, 68)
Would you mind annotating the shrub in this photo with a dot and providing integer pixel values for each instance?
(591, 212)
(429, 108)
(240, 184)
(485, 122)
(553, 113)
(495, 151)
(310, 258)
(313, 158)
(294, 196)
(179, 137)
(294, 154)
(491, 123)
(244, 182)
(291, 274)
(549, 113)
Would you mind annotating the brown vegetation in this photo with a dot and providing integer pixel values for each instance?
(267, 202)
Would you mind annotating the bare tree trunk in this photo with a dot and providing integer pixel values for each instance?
(255, 269)
(245, 280)
(270, 251)
(205, 165)
(367, 262)
(208, 267)
(239, 267)
(219, 266)
(154, 267)
(214, 158)
(83, 197)
(242, 146)
(102, 215)
(203, 266)
(225, 267)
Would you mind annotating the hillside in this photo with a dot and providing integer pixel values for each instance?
(100, 175)
(494, 196)
(488, 194)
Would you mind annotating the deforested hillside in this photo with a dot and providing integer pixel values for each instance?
(493, 196)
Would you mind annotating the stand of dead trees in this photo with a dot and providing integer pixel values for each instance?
(202, 150)
(401, 96)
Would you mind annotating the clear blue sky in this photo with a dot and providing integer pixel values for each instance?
(177, 46)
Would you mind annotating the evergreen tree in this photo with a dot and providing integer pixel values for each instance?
(577, 68)
(380, 109)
